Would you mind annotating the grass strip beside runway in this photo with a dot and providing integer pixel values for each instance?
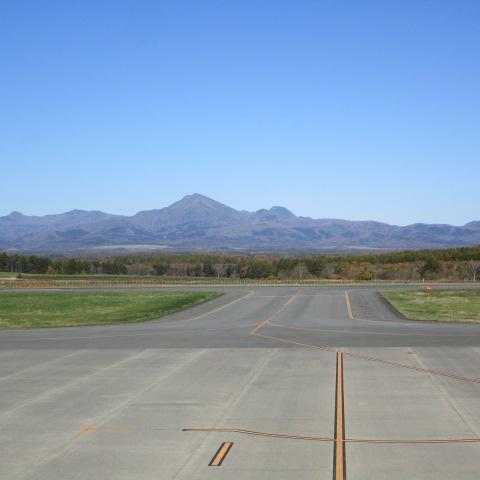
(62, 309)
(437, 305)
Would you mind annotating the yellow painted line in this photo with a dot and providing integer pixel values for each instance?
(339, 455)
(221, 454)
(87, 429)
(116, 429)
(258, 327)
(356, 332)
(223, 307)
(281, 309)
(92, 428)
(285, 340)
(349, 306)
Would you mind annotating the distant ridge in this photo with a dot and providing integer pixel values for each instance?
(197, 222)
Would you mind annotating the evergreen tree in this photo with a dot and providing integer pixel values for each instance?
(209, 269)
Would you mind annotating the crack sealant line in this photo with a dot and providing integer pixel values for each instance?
(412, 367)
(285, 436)
(365, 357)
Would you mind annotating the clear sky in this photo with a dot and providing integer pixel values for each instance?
(347, 109)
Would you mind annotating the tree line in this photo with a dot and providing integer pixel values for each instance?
(450, 264)
(68, 266)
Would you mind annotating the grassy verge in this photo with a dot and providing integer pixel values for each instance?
(8, 275)
(34, 310)
(439, 305)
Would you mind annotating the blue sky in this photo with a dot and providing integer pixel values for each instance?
(346, 109)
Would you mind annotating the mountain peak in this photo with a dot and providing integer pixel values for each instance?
(274, 214)
(195, 209)
(200, 204)
(76, 212)
(197, 196)
(16, 214)
(196, 199)
(282, 212)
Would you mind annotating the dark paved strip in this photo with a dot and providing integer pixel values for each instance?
(227, 321)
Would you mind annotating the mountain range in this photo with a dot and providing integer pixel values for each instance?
(198, 223)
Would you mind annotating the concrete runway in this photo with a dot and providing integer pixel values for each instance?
(261, 383)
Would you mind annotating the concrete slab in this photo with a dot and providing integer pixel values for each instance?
(80, 403)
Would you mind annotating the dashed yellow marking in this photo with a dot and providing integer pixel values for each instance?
(221, 454)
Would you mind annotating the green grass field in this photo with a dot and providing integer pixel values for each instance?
(34, 310)
(438, 305)
(8, 275)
